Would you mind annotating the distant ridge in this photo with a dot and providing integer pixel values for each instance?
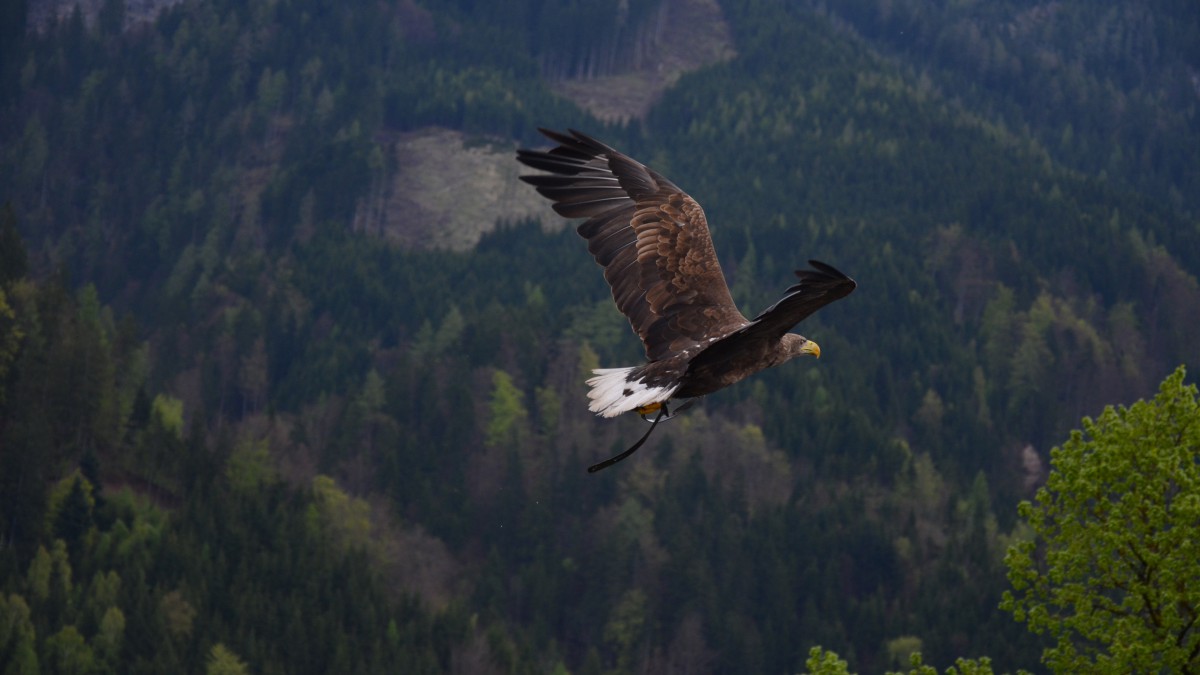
(687, 35)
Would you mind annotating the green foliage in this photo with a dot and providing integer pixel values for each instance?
(168, 413)
(626, 627)
(346, 520)
(507, 413)
(37, 580)
(109, 635)
(221, 661)
(823, 662)
(250, 467)
(17, 635)
(982, 666)
(1114, 574)
(1121, 64)
(224, 563)
(71, 504)
(73, 517)
(900, 650)
(178, 614)
(69, 653)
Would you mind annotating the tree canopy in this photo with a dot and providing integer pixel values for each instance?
(1113, 574)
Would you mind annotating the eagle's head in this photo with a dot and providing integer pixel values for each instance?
(798, 345)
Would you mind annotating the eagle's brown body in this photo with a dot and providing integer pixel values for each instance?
(706, 375)
(653, 242)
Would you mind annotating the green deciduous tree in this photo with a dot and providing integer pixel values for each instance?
(169, 411)
(38, 577)
(17, 635)
(68, 652)
(177, 613)
(107, 642)
(507, 412)
(625, 627)
(345, 518)
(249, 467)
(1114, 575)
(222, 661)
(822, 662)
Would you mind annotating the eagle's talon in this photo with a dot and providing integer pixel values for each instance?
(651, 408)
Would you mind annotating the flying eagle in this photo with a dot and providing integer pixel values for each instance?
(652, 240)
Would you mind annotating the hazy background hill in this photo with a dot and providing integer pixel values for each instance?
(290, 363)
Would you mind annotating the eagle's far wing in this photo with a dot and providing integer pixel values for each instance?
(650, 237)
(818, 286)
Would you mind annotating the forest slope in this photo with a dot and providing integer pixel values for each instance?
(187, 194)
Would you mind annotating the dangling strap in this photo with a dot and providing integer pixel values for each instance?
(609, 462)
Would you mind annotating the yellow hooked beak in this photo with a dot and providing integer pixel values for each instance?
(811, 347)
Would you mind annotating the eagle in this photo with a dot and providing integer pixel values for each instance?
(652, 241)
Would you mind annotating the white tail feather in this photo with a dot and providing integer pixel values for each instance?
(613, 393)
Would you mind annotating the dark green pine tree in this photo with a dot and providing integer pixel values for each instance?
(14, 263)
(74, 518)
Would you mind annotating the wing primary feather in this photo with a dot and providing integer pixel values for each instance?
(547, 162)
(605, 256)
(554, 181)
(574, 195)
(583, 209)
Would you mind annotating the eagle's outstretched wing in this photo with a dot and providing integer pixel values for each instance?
(650, 237)
(818, 286)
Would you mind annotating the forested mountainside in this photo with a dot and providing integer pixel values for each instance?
(236, 431)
